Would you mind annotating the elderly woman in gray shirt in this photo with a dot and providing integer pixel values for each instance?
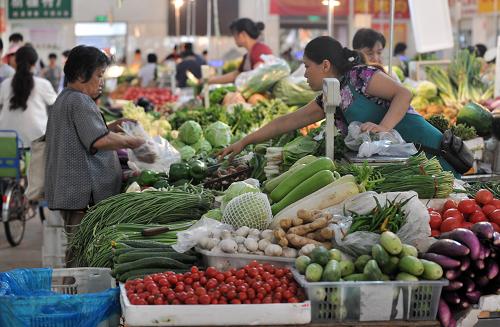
(82, 165)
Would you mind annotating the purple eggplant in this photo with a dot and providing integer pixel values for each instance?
(465, 264)
(491, 269)
(493, 254)
(487, 252)
(496, 239)
(472, 274)
(444, 313)
(482, 252)
(454, 285)
(464, 304)
(482, 280)
(452, 274)
(479, 264)
(451, 297)
(468, 284)
(483, 230)
(449, 248)
(467, 238)
(453, 323)
(473, 296)
(442, 260)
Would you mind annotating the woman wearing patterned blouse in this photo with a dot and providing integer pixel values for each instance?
(368, 95)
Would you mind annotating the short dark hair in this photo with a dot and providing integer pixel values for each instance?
(247, 25)
(481, 50)
(1, 44)
(52, 56)
(137, 51)
(16, 37)
(188, 46)
(366, 38)
(65, 53)
(205, 52)
(83, 61)
(152, 58)
(400, 48)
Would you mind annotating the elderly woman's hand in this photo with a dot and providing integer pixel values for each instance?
(116, 125)
(374, 128)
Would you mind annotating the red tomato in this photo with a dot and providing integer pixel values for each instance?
(467, 206)
(453, 213)
(435, 220)
(484, 196)
(159, 301)
(467, 225)
(435, 233)
(204, 299)
(235, 301)
(450, 224)
(211, 272)
(496, 227)
(429, 210)
(179, 287)
(496, 203)
(172, 279)
(487, 209)
(293, 300)
(477, 217)
(194, 269)
(231, 295)
(212, 283)
(242, 296)
(449, 204)
(495, 216)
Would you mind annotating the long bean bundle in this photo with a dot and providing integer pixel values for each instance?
(416, 165)
(152, 207)
(427, 186)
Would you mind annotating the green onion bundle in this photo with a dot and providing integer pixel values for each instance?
(427, 186)
(416, 165)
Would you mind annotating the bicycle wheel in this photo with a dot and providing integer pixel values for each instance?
(14, 214)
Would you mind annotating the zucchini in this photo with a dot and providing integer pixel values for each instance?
(309, 186)
(140, 273)
(300, 176)
(146, 244)
(273, 183)
(151, 262)
(137, 255)
(304, 160)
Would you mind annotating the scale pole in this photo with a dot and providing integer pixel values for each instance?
(391, 36)
(331, 100)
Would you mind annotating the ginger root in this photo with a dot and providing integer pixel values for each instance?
(299, 241)
(308, 216)
(327, 233)
(311, 227)
(286, 223)
(297, 222)
(281, 237)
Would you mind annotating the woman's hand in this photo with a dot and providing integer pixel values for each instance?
(134, 142)
(232, 150)
(372, 127)
(116, 125)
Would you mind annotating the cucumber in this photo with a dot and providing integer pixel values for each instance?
(309, 186)
(411, 265)
(355, 278)
(402, 276)
(118, 252)
(391, 266)
(361, 261)
(273, 183)
(300, 176)
(151, 262)
(432, 270)
(408, 250)
(372, 271)
(146, 244)
(380, 255)
(391, 243)
(140, 273)
(305, 160)
(136, 255)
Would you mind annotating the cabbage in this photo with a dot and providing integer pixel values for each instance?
(236, 189)
(293, 93)
(202, 146)
(426, 90)
(177, 144)
(215, 214)
(190, 132)
(218, 134)
(419, 102)
(187, 152)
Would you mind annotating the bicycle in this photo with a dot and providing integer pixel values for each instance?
(16, 208)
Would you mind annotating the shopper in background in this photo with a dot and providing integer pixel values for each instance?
(480, 50)
(5, 70)
(246, 34)
(174, 55)
(24, 99)
(61, 85)
(81, 156)
(400, 58)
(190, 62)
(136, 63)
(149, 72)
(367, 95)
(53, 72)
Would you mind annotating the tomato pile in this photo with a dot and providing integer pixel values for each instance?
(484, 207)
(158, 96)
(253, 284)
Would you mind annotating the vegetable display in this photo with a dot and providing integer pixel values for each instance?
(159, 96)
(253, 284)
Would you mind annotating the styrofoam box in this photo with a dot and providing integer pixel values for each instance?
(54, 246)
(226, 261)
(214, 315)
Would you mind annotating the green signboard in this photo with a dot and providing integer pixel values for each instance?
(36, 9)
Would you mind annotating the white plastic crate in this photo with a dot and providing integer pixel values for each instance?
(226, 261)
(214, 315)
(54, 246)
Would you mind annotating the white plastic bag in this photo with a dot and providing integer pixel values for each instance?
(383, 143)
(416, 230)
(205, 227)
(164, 153)
(263, 77)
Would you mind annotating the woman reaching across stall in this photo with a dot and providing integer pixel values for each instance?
(368, 95)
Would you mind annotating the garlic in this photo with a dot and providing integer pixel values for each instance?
(242, 249)
(225, 234)
(243, 231)
(239, 239)
(289, 253)
(263, 244)
(267, 234)
(273, 250)
(228, 245)
(251, 244)
(307, 249)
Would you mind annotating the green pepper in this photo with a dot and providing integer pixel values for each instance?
(147, 178)
(179, 171)
(198, 169)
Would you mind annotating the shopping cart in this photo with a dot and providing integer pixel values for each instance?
(16, 208)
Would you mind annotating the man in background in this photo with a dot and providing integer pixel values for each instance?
(53, 72)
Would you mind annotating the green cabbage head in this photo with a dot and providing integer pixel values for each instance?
(190, 132)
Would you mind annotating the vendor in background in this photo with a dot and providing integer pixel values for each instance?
(82, 166)
(400, 58)
(246, 34)
(24, 99)
(368, 95)
(174, 55)
(190, 62)
(148, 74)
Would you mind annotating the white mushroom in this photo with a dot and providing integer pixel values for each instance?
(239, 239)
(273, 250)
(243, 231)
(203, 242)
(307, 249)
(212, 242)
(255, 232)
(289, 253)
(267, 234)
(228, 245)
(225, 234)
(242, 249)
(251, 244)
(263, 244)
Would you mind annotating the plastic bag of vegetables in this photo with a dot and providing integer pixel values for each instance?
(263, 77)
(294, 89)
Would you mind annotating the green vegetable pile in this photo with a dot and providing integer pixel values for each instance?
(440, 122)
(464, 132)
(217, 95)
(293, 94)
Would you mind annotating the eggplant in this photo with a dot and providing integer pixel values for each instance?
(467, 238)
(444, 313)
(450, 248)
(493, 254)
(487, 252)
(468, 284)
(482, 280)
(472, 274)
(482, 252)
(479, 264)
(491, 269)
(454, 285)
(465, 264)
(442, 260)
(453, 323)
(452, 274)
(483, 230)
(473, 296)
(451, 297)
(463, 304)
(496, 239)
